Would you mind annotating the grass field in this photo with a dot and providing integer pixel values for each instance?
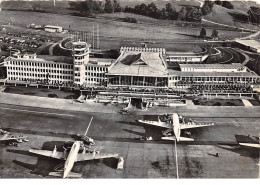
(115, 33)
(219, 102)
(42, 92)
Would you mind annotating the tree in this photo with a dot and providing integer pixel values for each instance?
(143, 9)
(152, 10)
(86, 7)
(193, 14)
(116, 6)
(108, 7)
(168, 7)
(227, 5)
(254, 14)
(203, 33)
(171, 12)
(182, 14)
(163, 13)
(214, 33)
(207, 7)
(218, 2)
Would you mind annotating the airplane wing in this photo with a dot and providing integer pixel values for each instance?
(7, 137)
(87, 157)
(250, 145)
(48, 153)
(70, 175)
(194, 125)
(156, 123)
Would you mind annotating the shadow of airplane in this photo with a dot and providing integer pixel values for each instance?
(133, 123)
(135, 132)
(243, 150)
(44, 165)
(111, 162)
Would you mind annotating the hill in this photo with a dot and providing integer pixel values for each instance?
(232, 17)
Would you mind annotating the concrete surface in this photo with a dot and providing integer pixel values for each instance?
(49, 122)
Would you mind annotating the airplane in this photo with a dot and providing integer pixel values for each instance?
(85, 138)
(172, 123)
(70, 158)
(6, 136)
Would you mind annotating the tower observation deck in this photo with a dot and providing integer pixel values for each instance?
(80, 53)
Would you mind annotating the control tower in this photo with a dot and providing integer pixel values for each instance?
(80, 53)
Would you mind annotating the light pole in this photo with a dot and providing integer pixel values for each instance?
(176, 157)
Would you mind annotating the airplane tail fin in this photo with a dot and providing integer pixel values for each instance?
(56, 174)
(170, 138)
(70, 175)
(186, 139)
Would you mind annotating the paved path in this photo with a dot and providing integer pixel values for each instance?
(51, 48)
(251, 36)
(93, 107)
(247, 103)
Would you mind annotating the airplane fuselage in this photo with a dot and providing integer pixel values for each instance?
(176, 126)
(72, 157)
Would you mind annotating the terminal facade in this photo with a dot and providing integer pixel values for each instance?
(143, 68)
(81, 71)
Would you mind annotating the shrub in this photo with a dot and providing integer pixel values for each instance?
(52, 95)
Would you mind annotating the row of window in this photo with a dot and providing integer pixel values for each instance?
(79, 58)
(39, 70)
(41, 64)
(39, 79)
(38, 75)
(78, 63)
(95, 74)
(208, 68)
(210, 78)
(217, 78)
(95, 79)
(182, 58)
(95, 68)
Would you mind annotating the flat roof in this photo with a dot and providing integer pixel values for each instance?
(178, 54)
(50, 26)
(139, 64)
(46, 58)
(212, 74)
(233, 65)
(251, 43)
(100, 61)
(58, 59)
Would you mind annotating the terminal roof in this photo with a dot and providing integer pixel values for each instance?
(46, 58)
(139, 64)
(233, 65)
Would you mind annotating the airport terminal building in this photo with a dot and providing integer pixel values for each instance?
(135, 68)
(139, 69)
(79, 70)
(149, 69)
